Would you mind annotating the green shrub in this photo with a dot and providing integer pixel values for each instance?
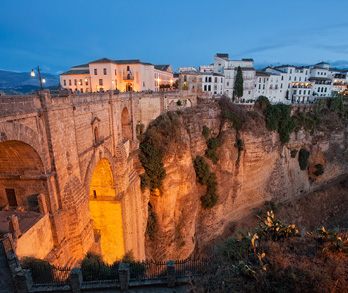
(262, 103)
(207, 178)
(93, 268)
(206, 132)
(151, 159)
(179, 103)
(278, 118)
(294, 153)
(151, 225)
(302, 159)
(212, 144)
(319, 170)
(305, 121)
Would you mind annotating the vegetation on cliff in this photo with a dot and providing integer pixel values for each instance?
(207, 178)
(303, 158)
(157, 141)
(151, 225)
(274, 258)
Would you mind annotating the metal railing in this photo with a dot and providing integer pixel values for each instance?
(147, 270)
(189, 267)
(48, 274)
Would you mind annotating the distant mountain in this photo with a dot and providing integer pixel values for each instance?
(23, 83)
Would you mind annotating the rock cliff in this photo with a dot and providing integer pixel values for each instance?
(263, 171)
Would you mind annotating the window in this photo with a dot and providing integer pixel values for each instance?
(299, 78)
(11, 197)
(295, 78)
(81, 91)
(64, 81)
(185, 78)
(294, 92)
(209, 79)
(104, 71)
(259, 86)
(69, 81)
(100, 82)
(75, 82)
(221, 79)
(216, 79)
(263, 86)
(271, 86)
(205, 88)
(325, 89)
(206, 79)
(309, 92)
(282, 77)
(290, 71)
(281, 85)
(80, 82)
(289, 77)
(300, 92)
(276, 87)
(128, 68)
(115, 72)
(86, 81)
(209, 88)
(306, 72)
(143, 83)
(304, 92)
(260, 79)
(228, 84)
(95, 71)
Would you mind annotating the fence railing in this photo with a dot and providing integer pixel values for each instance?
(189, 267)
(48, 274)
(138, 271)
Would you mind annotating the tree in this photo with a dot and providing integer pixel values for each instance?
(238, 84)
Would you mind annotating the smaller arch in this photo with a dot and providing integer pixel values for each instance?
(126, 124)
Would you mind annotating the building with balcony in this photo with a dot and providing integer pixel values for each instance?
(106, 74)
(163, 76)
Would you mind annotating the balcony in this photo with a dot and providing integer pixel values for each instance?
(128, 76)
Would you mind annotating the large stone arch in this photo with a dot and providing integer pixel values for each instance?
(95, 158)
(20, 132)
(21, 175)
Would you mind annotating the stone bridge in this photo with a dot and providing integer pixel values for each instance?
(66, 172)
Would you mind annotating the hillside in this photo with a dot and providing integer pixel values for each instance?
(22, 83)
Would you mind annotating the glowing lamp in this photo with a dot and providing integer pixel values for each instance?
(43, 80)
(32, 73)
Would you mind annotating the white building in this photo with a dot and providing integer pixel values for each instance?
(213, 82)
(106, 74)
(228, 68)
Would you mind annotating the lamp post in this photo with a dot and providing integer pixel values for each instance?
(42, 80)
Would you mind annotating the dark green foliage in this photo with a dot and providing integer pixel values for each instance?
(294, 153)
(2, 234)
(93, 268)
(261, 103)
(151, 223)
(302, 159)
(336, 103)
(306, 121)
(161, 134)
(151, 159)
(319, 171)
(238, 84)
(30, 262)
(278, 118)
(212, 143)
(239, 145)
(179, 103)
(207, 178)
(206, 132)
(232, 112)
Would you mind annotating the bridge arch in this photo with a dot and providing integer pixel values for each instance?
(20, 132)
(126, 124)
(21, 175)
(105, 208)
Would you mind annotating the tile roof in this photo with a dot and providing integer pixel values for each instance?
(222, 55)
(162, 67)
(106, 60)
(74, 72)
(81, 66)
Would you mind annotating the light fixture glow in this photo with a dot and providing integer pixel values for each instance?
(43, 80)
(32, 73)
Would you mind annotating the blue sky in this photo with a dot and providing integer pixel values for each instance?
(57, 34)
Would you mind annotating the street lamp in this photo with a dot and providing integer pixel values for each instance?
(42, 80)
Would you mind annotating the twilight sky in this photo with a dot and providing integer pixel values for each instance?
(57, 34)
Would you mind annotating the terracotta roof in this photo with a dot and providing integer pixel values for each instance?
(74, 72)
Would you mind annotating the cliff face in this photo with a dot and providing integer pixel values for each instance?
(263, 171)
